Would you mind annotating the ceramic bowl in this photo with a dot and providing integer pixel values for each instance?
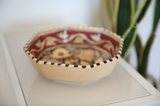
(73, 53)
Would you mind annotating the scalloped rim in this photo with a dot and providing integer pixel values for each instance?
(71, 65)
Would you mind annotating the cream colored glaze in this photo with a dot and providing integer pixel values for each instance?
(73, 74)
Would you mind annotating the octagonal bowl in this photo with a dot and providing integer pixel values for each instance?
(73, 53)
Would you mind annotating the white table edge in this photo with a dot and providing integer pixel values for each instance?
(12, 72)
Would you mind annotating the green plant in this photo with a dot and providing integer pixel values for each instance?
(124, 16)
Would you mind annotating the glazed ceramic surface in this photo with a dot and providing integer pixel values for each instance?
(76, 54)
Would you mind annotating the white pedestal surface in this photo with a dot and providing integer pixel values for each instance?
(124, 86)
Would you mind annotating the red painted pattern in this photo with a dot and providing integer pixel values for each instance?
(103, 36)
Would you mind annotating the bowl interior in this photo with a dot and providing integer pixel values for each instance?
(74, 47)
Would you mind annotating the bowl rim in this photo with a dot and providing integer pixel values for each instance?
(37, 61)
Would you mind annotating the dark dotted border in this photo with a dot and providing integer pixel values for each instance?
(37, 61)
(120, 49)
(110, 60)
(45, 62)
(119, 53)
(105, 62)
(97, 64)
(75, 65)
(67, 65)
(59, 64)
(92, 65)
(52, 63)
(83, 66)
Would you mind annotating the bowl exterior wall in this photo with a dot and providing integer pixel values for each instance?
(74, 74)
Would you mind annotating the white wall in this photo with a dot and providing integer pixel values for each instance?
(20, 13)
(27, 14)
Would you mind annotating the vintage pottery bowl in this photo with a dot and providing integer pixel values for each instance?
(74, 53)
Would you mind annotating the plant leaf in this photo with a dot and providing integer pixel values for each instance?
(136, 4)
(110, 10)
(144, 56)
(129, 39)
(132, 10)
(143, 60)
(138, 45)
(156, 14)
(141, 10)
(123, 19)
(115, 14)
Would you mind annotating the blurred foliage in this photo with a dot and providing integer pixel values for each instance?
(124, 16)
